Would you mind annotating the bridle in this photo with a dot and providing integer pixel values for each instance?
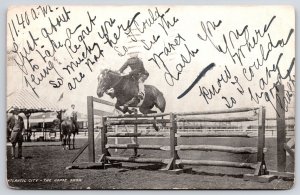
(118, 81)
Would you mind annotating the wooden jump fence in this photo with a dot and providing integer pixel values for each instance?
(174, 162)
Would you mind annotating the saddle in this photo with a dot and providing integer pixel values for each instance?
(139, 97)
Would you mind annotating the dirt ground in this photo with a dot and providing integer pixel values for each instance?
(45, 168)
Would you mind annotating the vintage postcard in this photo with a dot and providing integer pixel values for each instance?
(150, 97)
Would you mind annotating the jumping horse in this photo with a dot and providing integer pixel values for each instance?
(125, 88)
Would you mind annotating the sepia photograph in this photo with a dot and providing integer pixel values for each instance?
(145, 97)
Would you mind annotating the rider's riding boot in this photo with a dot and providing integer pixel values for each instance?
(141, 95)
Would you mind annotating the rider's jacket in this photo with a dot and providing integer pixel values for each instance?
(70, 114)
(136, 65)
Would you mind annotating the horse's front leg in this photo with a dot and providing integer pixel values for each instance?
(69, 142)
(148, 111)
(74, 141)
(63, 142)
(118, 107)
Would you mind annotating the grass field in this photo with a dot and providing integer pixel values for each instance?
(44, 168)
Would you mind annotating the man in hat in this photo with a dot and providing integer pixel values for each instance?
(139, 73)
(15, 125)
(72, 113)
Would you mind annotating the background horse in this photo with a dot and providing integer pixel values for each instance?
(68, 128)
(125, 88)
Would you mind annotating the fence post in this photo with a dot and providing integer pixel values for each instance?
(135, 130)
(90, 111)
(104, 137)
(261, 135)
(173, 142)
(281, 134)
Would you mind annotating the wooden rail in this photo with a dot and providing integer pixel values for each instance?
(234, 110)
(137, 160)
(229, 149)
(216, 163)
(131, 146)
(136, 122)
(214, 134)
(228, 119)
(126, 134)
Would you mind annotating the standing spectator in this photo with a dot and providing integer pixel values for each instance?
(8, 130)
(15, 125)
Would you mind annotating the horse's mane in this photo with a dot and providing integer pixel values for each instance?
(112, 71)
(124, 79)
(116, 73)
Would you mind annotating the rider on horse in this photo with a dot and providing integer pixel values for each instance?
(139, 73)
(72, 115)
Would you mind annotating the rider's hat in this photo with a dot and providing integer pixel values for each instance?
(15, 111)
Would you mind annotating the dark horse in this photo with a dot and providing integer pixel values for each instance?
(68, 128)
(125, 88)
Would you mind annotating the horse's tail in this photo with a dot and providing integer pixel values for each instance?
(160, 101)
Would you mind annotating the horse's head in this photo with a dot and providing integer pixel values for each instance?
(106, 80)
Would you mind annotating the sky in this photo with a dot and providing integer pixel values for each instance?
(181, 30)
